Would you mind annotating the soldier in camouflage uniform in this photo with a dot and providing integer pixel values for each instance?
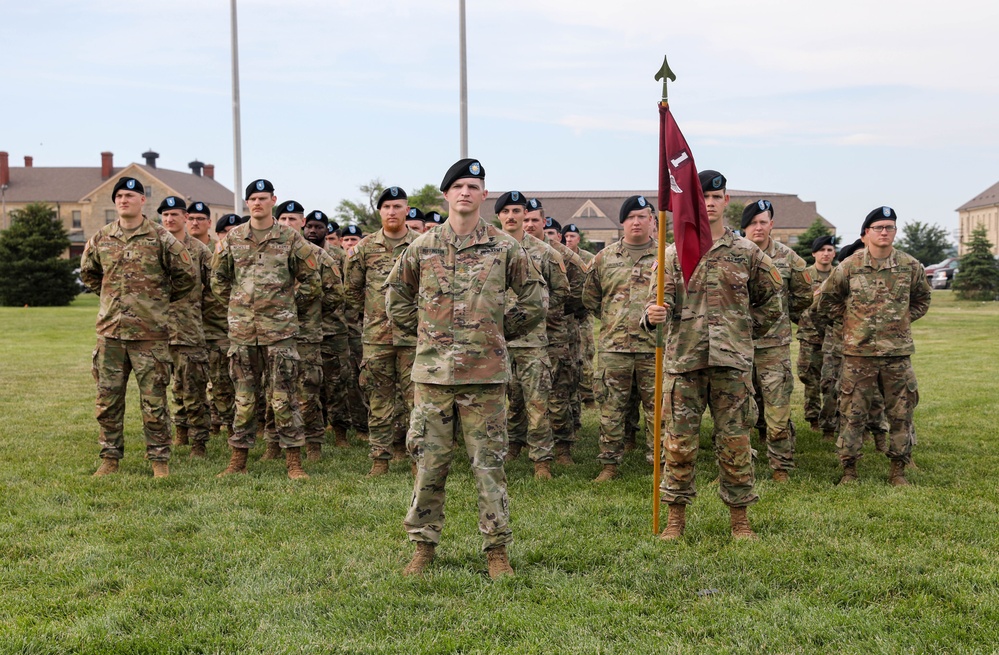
(734, 290)
(616, 291)
(809, 343)
(268, 275)
(448, 289)
(571, 236)
(530, 367)
(188, 351)
(877, 292)
(357, 398)
(137, 268)
(772, 377)
(387, 365)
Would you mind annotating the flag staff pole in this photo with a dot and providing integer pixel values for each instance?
(664, 74)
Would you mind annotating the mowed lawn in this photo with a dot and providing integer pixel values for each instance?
(258, 564)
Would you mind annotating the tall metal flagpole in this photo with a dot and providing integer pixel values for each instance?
(464, 79)
(237, 200)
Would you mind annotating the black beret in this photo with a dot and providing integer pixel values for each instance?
(227, 220)
(258, 186)
(351, 231)
(509, 198)
(534, 205)
(290, 207)
(552, 224)
(462, 168)
(711, 180)
(245, 219)
(172, 202)
(318, 217)
(753, 209)
(631, 204)
(332, 227)
(848, 250)
(129, 184)
(879, 214)
(199, 208)
(822, 242)
(391, 193)
(414, 214)
(571, 227)
(434, 217)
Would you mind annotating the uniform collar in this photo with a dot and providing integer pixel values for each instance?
(379, 237)
(890, 262)
(479, 235)
(145, 227)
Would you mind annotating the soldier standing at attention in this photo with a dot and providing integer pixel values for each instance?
(772, 377)
(268, 275)
(709, 361)
(187, 337)
(809, 343)
(199, 220)
(387, 362)
(572, 236)
(616, 290)
(138, 269)
(416, 221)
(878, 292)
(357, 398)
(448, 290)
(531, 370)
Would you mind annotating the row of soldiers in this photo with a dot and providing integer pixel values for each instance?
(487, 317)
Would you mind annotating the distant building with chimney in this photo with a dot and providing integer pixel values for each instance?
(81, 196)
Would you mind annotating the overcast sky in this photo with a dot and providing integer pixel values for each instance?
(852, 104)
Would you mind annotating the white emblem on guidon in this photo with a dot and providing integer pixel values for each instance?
(679, 160)
(260, 185)
(886, 211)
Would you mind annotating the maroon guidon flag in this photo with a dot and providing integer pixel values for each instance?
(680, 193)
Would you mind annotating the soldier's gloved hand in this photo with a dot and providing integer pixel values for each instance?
(656, 314)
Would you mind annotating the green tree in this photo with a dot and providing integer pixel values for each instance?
(427, 198)
(733, 214)
(804, 246)
(978, 274)
(33, 270)
(927, 243)
(363, 213)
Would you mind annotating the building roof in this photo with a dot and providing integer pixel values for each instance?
(987, 198)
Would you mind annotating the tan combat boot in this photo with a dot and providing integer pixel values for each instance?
(199, 450)
(293, 460)
(563, 453)
(740, 524)
(161, 470)
(896, 475)
(237, 462)
(181, 437)
(676, 523)
(881, 442)
(273, 451)
(780, 476)
(108, 467)
(542, 470)
(421, 558)
(499, 563)
(340, 437)
(609, 472)
(849, 473)
(399, 451)
(313, 451)
(513, 452)
(378, 467)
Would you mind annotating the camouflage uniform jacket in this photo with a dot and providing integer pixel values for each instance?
(563, 325)
(616, 290)
(368, 266)
(806, 330)
(877, 305)
(449, 292)
(734, 292)
(311, 316)
(552, 268)
(335, 324)
(214, 312)
(186, 322)
(257, 282)
(795, 295)
(137, 278)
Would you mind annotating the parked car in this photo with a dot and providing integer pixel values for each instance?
(943, 277)
(931, 270)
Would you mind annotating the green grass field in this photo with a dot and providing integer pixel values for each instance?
(258, 564)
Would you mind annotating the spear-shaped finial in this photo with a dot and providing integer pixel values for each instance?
(665, 74)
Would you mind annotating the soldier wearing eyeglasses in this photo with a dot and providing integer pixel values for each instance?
(878, 292)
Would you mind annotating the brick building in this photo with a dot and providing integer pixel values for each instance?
(983, 209)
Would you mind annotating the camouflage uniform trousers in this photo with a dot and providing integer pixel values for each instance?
(336, 364)
(442, 413)
(589, 348)
(829, 418)
(357, 400)
(864, 380)
(614, 380)
(728, 392)
(810, 375)
(575, 377)
(113, 360)
(773, 383)
(310, 383)
(250, 367)
(529, 390)
(559, 408)
(386, 375)
(222, 396)
(189, 384)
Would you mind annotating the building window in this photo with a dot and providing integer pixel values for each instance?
(792, 240)
(77, 220)
(110, 216)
